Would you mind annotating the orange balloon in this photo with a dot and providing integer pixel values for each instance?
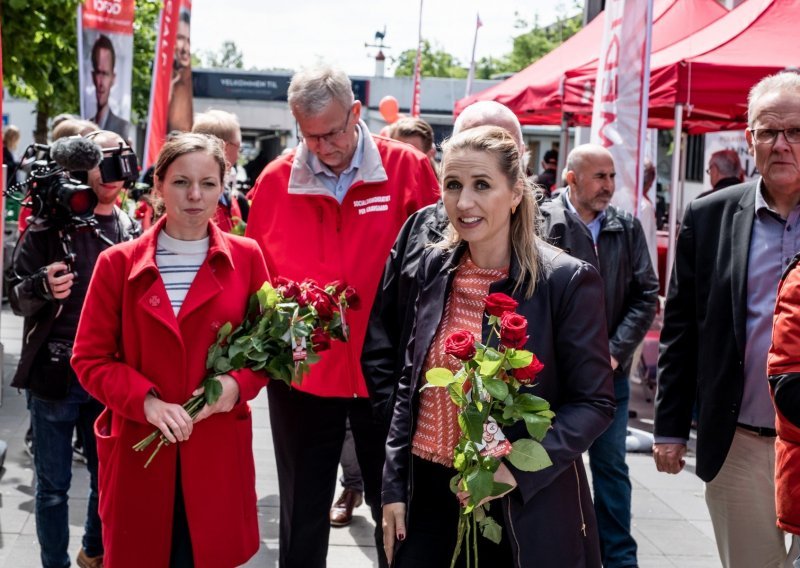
(389, 109)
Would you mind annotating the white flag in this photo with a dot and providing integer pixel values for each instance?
(619, 116)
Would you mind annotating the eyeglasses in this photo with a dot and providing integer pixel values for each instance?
(770, 135)
(330, 137)
(708, 169)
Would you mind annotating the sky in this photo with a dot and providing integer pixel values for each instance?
(292, 34)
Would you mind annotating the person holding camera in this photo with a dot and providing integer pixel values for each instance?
(48, 289)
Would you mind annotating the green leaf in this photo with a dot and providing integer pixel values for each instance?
(537, 425)
(491, 530)
(528, 455)
(492, 361)
(520, 359)
(213, 390)
(471, 423)
(500, 488)
(439, 377)
(457, 394)
(222, 365)
(547, 414)
(480, 484)
(497, 388)
(224, 331)
(530, 403)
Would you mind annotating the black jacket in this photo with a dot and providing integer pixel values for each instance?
(27, 294)
(703, 340)
(568, 334)
(629, 281)
(392, 314)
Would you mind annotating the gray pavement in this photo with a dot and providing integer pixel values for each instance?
(670, 520)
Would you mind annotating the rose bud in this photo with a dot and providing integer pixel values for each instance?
(513, 330)
(320, 340)
(526, 375)
(351, 297)
(287, 288)
(498, 303)
(460, 344)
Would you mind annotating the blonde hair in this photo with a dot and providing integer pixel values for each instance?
(219, 123)
(524, 234)
(11, 136)
(73, 127)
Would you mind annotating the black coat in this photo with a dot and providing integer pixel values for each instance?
(629, 281)
(392, 312)
(550, 514)
(703, 339)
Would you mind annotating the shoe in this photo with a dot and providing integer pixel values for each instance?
(342, 511)
(78, 455)
(85, 561)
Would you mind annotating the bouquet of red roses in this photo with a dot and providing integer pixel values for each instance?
(491, 391)
(284, 329)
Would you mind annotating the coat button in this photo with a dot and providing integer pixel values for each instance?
(155, 301)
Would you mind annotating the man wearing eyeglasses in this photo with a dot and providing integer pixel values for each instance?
(331, 210)
(103, 77)
(732, 248)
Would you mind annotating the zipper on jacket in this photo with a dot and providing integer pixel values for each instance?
(580, 505)
(517, 560)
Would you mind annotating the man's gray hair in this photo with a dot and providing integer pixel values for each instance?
(577, 156)
(727, 163)
(314, 88)
(490, 113)
(783, 81)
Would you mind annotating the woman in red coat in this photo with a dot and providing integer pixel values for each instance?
(153, 308)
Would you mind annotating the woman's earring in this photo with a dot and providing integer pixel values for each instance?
(513, 209)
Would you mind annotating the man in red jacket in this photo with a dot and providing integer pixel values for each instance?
(330, 210)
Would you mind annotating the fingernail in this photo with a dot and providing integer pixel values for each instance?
(401, 536)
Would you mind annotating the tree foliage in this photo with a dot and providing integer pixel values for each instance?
(40, 55)
(435, 63)
(228, 56)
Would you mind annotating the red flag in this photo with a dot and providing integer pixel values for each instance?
(171, 79)
(417, 69)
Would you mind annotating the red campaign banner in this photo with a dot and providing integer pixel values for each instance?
(162, 76)
(171, 90)
(113, 16)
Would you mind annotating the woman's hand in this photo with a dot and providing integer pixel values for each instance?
(226, 401)
(502, 475)
(394, 527)
(172, 419)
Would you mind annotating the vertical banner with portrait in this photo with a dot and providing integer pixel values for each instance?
(171, 90)
(105, 58)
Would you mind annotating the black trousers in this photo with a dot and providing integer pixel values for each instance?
(433, 524)
(308, 432)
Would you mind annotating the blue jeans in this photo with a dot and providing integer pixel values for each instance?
(612, 486)
(53, 424)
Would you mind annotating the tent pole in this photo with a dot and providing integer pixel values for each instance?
(563, 147)
(676, 193)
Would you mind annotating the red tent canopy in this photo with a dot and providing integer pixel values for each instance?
(712, 71)
(534, 94)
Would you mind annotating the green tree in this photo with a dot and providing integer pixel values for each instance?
(228, 56)
(40, 58)
(40, 55)
(435, 63)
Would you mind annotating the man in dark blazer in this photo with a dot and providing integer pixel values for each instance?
(732, 248)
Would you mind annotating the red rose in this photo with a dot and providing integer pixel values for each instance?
(498, 303)
(460, 344)
(526, 375)
(320, 340)
(513, 330)
(351, 297)
(323, 304)
(337, 287)
(287, 288)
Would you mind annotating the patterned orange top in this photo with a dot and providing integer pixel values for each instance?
(437, 430)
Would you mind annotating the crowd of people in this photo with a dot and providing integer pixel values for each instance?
(116, 335)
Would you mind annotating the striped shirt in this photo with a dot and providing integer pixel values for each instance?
(178, 262)
(437, 429)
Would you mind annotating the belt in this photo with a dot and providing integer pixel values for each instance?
(759, 430)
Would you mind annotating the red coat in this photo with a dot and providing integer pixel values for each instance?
(130, 342)
(305, 233)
